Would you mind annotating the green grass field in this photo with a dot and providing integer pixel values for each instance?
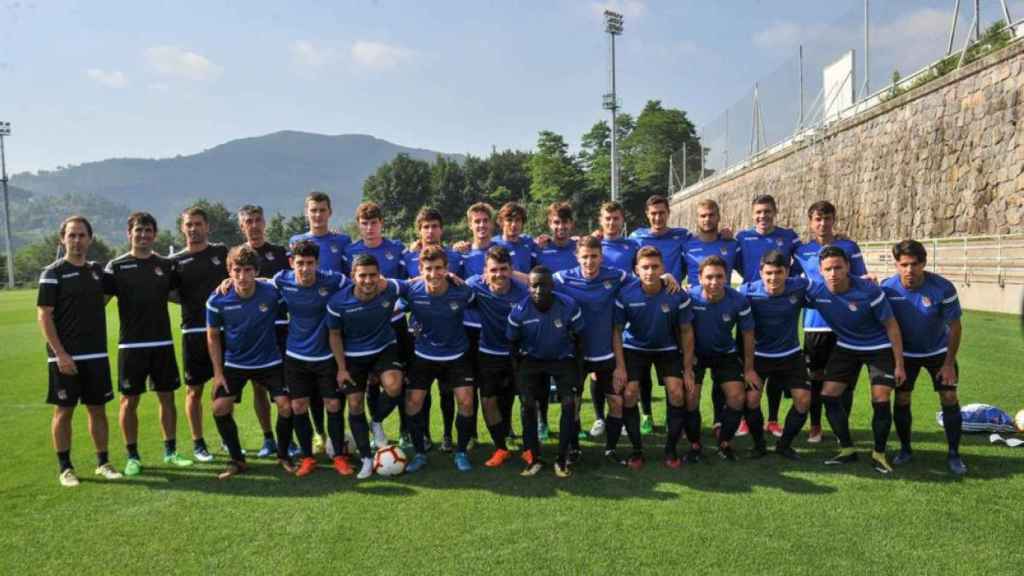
(769, 516)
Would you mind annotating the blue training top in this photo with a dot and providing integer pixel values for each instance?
(491, 312)
(924, 314)
(521, 251)
(776, 318)
(556, 258)
(307, 313)
(437, 320)
(388, 254)
(713, 322)
(753, 244)
(332, 249)
(697, 250)
(250, 341)
(651, 321)
(670, 244)
(856, 316)
(806, 256)
(619, 253)
(365, 326)
(596, 298)
(545, 335)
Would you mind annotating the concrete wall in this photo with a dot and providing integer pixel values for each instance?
(946, 159)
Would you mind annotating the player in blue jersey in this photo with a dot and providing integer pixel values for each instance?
(655, 326)
(364, 344)
(616, 249)
(332, 244)
(927, 309)
(752, 244)
(309, 366)
(480, 220)
(719, 312)
(669, 242)
(437, 308)
(594, 288)
(557, 252)
(866, 333)
(545, 332)
(246, 314)
(512, 219)
(819, 341)
(430, 230)
(708, 242)
(776, 301)
(496, 293)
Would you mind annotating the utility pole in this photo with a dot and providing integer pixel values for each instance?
(5, 130)
(613, 26)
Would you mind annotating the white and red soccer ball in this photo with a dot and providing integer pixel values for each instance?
(389, 461)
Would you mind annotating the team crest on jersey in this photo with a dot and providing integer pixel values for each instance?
(724, 251)
(95, 275)
(852, 306)
(664, 307)
(386, 304)
(793, 299)
(389, 255)
(926, 301)
(215, 260)
(558, 322)
(778, 242)
(726, 317)
(323, 291)
(264, 307)
(607, 284)
(334, 248)
(269, 256)
(158, 271)
(454, 306)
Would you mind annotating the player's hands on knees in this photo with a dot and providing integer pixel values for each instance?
(619, 379)
(948, 375)
(754, 379)
(66, 364)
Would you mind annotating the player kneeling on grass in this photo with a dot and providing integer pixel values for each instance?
(74, 324)
(655, 327)
(363, 341)
(496, 293)
(545, 331)
(927, 309)
(717, 311)
(246, 313)
(309, 366)
(866, 333)
(776, 301)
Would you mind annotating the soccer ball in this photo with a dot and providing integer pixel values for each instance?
(1018, 421)
(389, 461)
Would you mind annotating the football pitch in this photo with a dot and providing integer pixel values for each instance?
(753, 517)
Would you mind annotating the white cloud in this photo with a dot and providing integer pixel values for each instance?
(913, 41)
(307, 55)
(378, 55)
(628, 8)
(175, 62)
(108, 78)
(781, 34)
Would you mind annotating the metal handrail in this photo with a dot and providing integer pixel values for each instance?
(1000, 268)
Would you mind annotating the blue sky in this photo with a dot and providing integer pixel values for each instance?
(91, 80)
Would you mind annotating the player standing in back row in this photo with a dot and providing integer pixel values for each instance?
(73, 322)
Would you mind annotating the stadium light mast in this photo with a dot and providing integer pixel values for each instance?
(5, 130)
(613, 26)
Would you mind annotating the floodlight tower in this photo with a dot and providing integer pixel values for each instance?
(5, 130)
(613, 26)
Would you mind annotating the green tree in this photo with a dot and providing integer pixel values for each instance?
(448, 188)
(32, 258)
(223, 224)
(280, 229)
(400, 188)
(555, 176)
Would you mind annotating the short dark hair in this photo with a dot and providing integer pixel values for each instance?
(823, 207)
(433, 253)
(647, 252)
(910, 248)
(831, 251)
(541, 269)
(141, 219)
(317, 196)
(243, 255)
(195, 211)
(612, 206)
(656, 199)
(369, 211)
(590, 242)
(499, 254)
(560, 210)
(429, 214)
(713, 260)
(764, 199)
(306, 248)
(365, 259)
(774, 258)
(71, 220)
(512, 211)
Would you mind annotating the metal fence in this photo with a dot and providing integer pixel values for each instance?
(996, 260)
(889, 40)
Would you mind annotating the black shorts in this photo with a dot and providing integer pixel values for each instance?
(818, 346)
(195, 354)
(535, 377)
(668, 363)
(495, 374)
(450, 374)
(271, 378)
(786, 372)
(91, 386)
(723, 367)
(406, 343)
(155, 365)
(281, 333)
(844, 366)
(602, 371)
(360, 367)
(306, 378)
(933, 364)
